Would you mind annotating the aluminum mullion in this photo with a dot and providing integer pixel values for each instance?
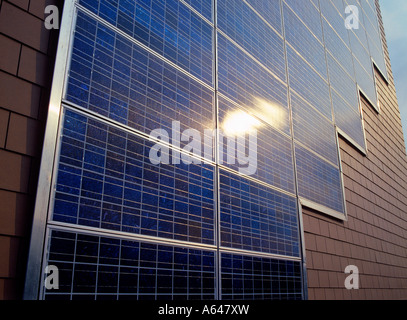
(304, 289)
(63, 226)
(33, 273)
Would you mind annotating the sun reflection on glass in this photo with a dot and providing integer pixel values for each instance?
(272, 113)
(239, 123)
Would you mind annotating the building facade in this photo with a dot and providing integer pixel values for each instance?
(227, 149)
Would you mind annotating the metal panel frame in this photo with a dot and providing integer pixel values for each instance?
(48, 170)
(34, 271)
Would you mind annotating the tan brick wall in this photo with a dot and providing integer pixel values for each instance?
(375, 236)
(27, 54)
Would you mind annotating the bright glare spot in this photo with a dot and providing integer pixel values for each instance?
(271, 113)
(239, 123)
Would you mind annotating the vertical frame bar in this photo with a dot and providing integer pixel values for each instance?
(33, 273)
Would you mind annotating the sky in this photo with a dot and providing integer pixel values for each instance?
(394, 14)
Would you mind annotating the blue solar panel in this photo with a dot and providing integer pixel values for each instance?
(308, 83)
(340, 50)
(341, 82)
(253, 278)
(245, 81)
(116, 78)
(204, 7)
(96, 267)
(348, 120)
(249, 31)
(319, 137)
(168, 27)
(141, 81)
(308, 13)
(297, 33)
(269, 10)
(265, 154)
(257, 218)
(318, 180)
(106, 180)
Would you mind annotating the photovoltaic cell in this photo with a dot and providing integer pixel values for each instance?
(320, 137)
(167, 26)
(270, 155)
(245, 81)
(249, 31)
(335, 18)
(116, 78)
(269, 10)
(308, 13)
(257, 218)
(106, 180)
(253, 278)
(374, 37)
(308, 83)
(204, 7)
(297, 34)
(360, 52)
(348, 120)
(341, 82)
(97, 267)
(318, 180)
(365, 82)
(338, 49)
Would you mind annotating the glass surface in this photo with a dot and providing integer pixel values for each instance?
(308, 45)
(116, 78)
(97, 267)
(320, 136)
(244, 81)
(257, 218)
(318, 180)
(106, 180)
(253, 278)
(253, 34)
(152, 86)
(168, 27)
(264, 153)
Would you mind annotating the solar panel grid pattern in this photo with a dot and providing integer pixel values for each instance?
(256, 218)
(273, 157)
(296, 33)
(96, 267)
(106, 181)
(339, 49)
(320, 137)
(259, 278)
(204, 7)
(305, 81)
(145, 64)
(248, 30)
(243, 80)
(166, 26)
(318, 180)
(116, 78)
(270, 12)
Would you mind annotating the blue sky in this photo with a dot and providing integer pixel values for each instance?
(394, 14)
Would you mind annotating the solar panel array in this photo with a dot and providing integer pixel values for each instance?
(193, 226)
